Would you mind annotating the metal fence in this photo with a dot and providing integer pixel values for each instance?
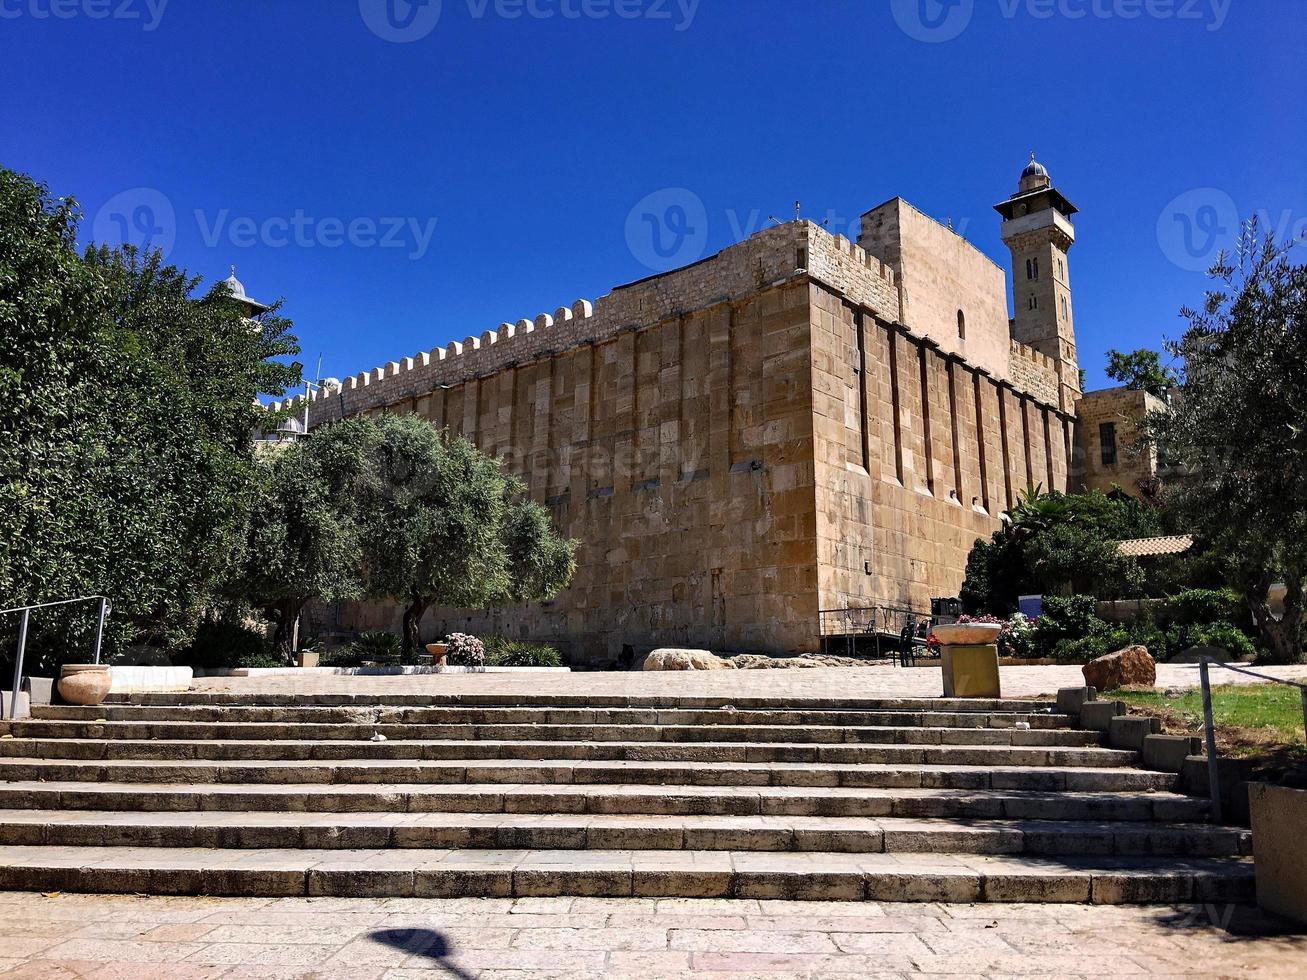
(875, 631)
(1209, 724)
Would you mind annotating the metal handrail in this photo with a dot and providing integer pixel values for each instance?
(106, 606)
(1209, 723)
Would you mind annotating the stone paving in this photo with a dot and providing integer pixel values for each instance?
(877, 681)
(104, 937)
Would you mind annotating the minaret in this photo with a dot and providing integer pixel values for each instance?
(1037, 228)
(251, 306)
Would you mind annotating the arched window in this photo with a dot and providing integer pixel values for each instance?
(962, 325)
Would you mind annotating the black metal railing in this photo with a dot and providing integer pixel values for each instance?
(881, 631)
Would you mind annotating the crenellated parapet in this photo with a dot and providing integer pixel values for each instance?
(1034, 373)
(773, 255)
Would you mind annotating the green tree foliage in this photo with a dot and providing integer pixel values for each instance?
(126, 403)
(443, 526)
(304, 529)
(1058, 544)
(1141, 370)
(1238, 432)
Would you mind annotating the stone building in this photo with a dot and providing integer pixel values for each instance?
(1113, 452)
(798, 423)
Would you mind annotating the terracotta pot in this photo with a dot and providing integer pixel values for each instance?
(967, 634)
(438, 653)
(84, 684)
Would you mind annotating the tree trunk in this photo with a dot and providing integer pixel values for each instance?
(284, 615)
(1283, 636)
(412, 620)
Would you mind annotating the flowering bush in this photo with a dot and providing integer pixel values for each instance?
(465, 650)
(1017, 638)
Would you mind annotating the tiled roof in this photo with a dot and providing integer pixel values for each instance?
(1176, 544)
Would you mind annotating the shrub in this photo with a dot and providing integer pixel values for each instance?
(1205, 606)
(261, 660)
(378, 646)
(1083, 650)
(1221, 635)
(1017, 638)
(519, 653)
(465, 650)
(1071, 618)
(224, 643)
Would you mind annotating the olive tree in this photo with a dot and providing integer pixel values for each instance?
(304, 530)
(443, 526)
(1237, 433)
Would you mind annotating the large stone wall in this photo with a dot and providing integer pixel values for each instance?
(736, 445)
(943, 276)
(917, 455)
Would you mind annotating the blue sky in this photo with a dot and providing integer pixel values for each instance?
(485, 165)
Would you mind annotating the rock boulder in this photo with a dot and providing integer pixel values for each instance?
(673, 659)
(1130, 666)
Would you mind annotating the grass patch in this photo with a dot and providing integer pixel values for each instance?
(1251, 719)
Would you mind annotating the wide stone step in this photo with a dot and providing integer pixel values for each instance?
(663, 773)
(394, 715)
(545, 798)
(739, 874)
(118, 745)
(583, 733)
(603, 832)
(585, 701)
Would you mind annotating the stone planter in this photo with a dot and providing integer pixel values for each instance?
(438, 653)
(967, 634)
(307, 658)
(84, 684)
(1279, 817)
(970, 670)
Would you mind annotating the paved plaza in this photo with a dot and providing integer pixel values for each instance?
(876, 681)
(102, 937)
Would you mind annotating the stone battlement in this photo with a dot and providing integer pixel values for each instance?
(767, 257)
(1034, 372)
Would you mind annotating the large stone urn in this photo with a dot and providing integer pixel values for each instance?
(438, 651)
(84, 684)
(968, 657)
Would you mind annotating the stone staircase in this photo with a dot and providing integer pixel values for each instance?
(893, 800)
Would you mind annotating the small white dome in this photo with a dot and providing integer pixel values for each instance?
(235, 285)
